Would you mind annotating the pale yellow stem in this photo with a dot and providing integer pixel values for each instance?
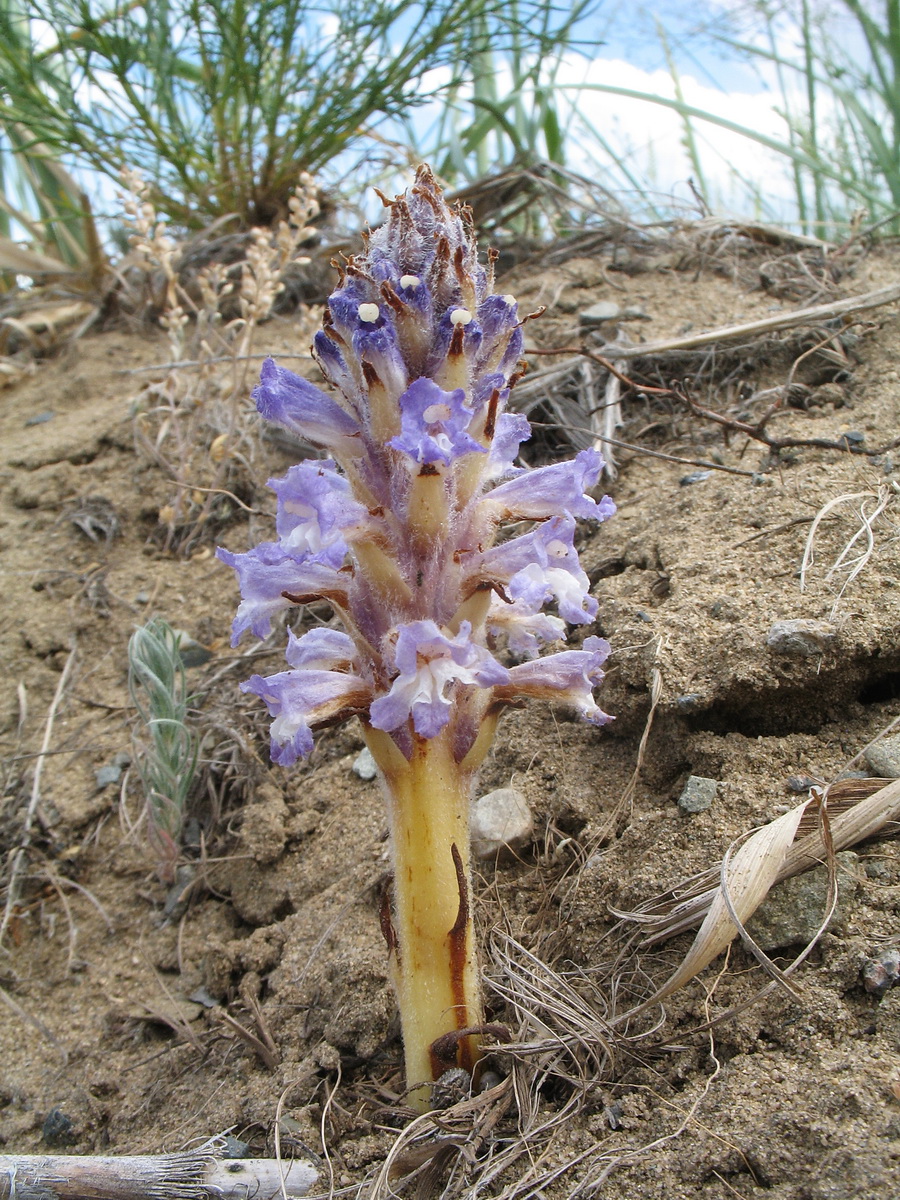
(433, 958)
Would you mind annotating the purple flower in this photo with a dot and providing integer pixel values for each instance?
(431, 665)
(376, 348)
(568, 677)
(546, 491)
(300, 699)
(539, 566)
(272, 580)
(321, 649)
(525, 628)
(434, 426)
(335, 368)
(298, 405)
(317, 513)
(401, 529)
(513, 428)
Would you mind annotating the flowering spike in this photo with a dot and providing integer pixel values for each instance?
(399, 532)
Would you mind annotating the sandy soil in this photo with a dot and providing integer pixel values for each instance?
(113, 1008)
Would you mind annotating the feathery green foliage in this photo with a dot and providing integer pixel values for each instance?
(167, 758)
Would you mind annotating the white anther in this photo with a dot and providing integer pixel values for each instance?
(460, 316)
(510, 300)
(368, 313)
(407, 281)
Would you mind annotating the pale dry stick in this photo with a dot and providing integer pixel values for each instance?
(279, 1159)
(611, 420)
(192, 1175)
(627, 798)
(22, 849)
(855, 566)
(727, 333)
(329, 1100)
(202, 362)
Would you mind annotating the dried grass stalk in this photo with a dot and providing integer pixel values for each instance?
(769, 856)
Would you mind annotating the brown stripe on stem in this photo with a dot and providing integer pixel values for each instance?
(458, 957)
(386, 919)
(490, 421)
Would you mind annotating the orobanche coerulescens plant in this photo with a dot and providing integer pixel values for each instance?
(398, 531)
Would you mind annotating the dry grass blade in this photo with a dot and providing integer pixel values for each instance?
(746, 881)
(883, 497)
(768, 857)
(18, 857)
(28, 262)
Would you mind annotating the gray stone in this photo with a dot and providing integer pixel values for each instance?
(793, 911)
(799, 783)
(698, 794)
(689, 702)
(881, 972)
(108, 775)
(364, 765)
(599, 314)
(191, 652)
(884, 757)
(801, 638)
(501, 822)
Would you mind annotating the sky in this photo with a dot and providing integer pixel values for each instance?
(624, 47)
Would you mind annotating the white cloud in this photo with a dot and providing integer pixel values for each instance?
(651, 139)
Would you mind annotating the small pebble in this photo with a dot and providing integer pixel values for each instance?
(884, 757)
(41, 418)
(698, 794)
(501, 821)
(881, 972)
(108, 775)
(799, 783)
(800, 638)
(694, 477)
(488, 1080)
(454, 1085)
(852, 437)
(688, 703)
(179, 894)
(364, 765)
(232, 1147)
(57, 1128)
(142, 598)
(598, 314)
(794, 909)
(201, 996)
(190, 651)
(613, 1114)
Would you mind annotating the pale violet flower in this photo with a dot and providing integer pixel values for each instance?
(431, 668)
(400, 529)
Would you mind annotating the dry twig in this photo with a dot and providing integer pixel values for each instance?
(192, 1175)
